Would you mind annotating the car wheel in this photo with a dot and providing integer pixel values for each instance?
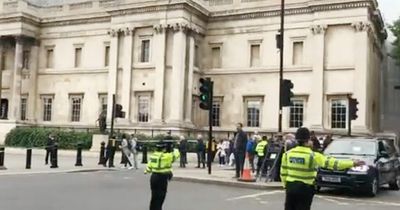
(373, 187)
(394, 185)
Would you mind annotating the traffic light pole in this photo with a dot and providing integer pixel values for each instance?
(112, 116)
(210, 127)
(282, 32)
(349, 120)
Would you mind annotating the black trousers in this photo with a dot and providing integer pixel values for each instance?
(259, 164)
(239, 159)
(299, 196)
(159, 185)
(183, 160)
(48, 151)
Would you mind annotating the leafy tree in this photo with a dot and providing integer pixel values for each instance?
(395, 28)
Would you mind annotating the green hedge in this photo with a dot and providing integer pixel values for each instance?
(37, 137)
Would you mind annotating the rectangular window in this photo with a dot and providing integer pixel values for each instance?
(50, 58)
(297, 53)
(78, 57)
(107, 56)
(255, 55)
(47, 107)
(24, 101)
(338, 113)
(103, 102)
(145, 51)
(196, 56)
(144, 108)
(76, 107)
(25, 59)
(253, 108)
(296, 114)
(216, 57)
(216, 113)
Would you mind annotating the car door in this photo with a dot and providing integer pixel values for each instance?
(383, 164)
(394, 161)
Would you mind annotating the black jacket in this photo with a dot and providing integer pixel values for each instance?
(240, 141)
(200, 147)
(183, 146)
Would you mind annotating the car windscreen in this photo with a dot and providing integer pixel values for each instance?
(351, 147)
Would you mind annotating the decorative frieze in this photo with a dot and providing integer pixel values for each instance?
(318, 29)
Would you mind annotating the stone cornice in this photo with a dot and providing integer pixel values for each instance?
(99, 19)
(239, 14)
(21, 18)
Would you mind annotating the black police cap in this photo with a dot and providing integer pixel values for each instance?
(302, 134)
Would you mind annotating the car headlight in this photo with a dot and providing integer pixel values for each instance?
(358, 170)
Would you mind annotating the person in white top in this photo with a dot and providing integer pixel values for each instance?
(221, 153)
(126, 151)
(133, 144)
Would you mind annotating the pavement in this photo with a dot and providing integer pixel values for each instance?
(129, 189)
(15, 160)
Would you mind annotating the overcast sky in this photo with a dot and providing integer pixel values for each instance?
(390, 9)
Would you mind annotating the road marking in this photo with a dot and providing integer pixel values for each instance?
(255, 195)
(358, 201)
(332, 200)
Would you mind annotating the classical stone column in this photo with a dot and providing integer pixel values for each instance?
(127, 71)
(189, 87)
(361, 84)
(160, 37)
(16, 81)
(178, 73)
(113, 70)
(1, 64)
(316, 99)
(34, 68)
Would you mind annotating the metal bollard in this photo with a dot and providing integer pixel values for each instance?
(53, 156)
(79, 155)
(111, 160)
(144, 155)
(102, 157)
(28, 158)
(2, 152)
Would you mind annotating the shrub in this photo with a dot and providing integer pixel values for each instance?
(37, 137)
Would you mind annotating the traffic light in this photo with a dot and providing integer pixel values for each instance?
(205, 93)
(118, 111)
(287, 93)
(353, 108)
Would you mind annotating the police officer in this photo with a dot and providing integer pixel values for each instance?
(261, 151)
(299, 169)
(160, 167)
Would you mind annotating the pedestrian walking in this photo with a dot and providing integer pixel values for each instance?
(160, 167)
(126, 152)
(132, 145)
(261, 151)
(299, 169)
(201, 152)
(183, 148)
(49, 147)
(251, 150)
(226, 148)
(221, 153)
(239, 147)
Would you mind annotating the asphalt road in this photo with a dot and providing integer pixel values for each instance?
(130, 190)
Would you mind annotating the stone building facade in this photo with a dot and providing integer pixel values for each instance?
(62, 60)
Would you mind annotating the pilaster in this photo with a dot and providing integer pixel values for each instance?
(127, 71)
(189, 87)
(16, 80)
(113, 68)
(160, 37)
(32, 97)
(316, 99)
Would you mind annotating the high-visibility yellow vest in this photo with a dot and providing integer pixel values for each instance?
(260, 148)
(161, 162)
(301, 164)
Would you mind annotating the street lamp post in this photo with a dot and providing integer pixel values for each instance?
(281, 46)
